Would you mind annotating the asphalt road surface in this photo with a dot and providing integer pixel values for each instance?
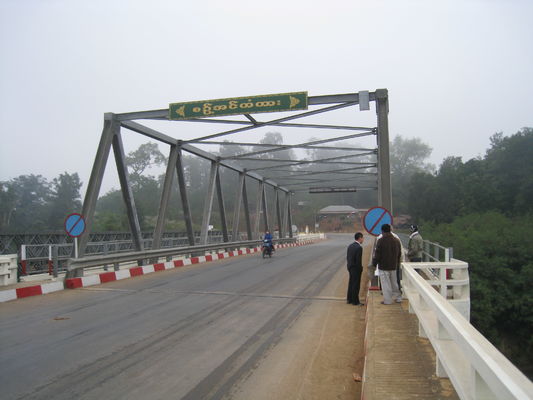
(195, 332)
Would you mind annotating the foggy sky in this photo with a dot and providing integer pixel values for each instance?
(457, 71)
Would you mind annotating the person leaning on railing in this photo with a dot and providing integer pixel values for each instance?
(415, 246)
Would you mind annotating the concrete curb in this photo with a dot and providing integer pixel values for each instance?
(365, 345)
(91, 280)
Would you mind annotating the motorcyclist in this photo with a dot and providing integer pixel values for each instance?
(268, 236)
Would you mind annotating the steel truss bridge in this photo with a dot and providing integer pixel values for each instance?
(351, 169)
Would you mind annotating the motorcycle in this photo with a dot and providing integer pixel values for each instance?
(267, 248)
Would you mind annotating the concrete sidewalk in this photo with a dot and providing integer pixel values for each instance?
(399, 364)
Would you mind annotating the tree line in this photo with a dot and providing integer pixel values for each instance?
(30, 203)
(483, 208)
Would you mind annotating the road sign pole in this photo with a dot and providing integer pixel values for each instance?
(76, 247)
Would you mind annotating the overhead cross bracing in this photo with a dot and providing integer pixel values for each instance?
(285, 168)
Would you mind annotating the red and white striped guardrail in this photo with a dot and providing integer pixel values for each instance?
(97, 279)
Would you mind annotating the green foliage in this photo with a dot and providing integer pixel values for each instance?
(31, 203)
(28, 206)
(138, 161)
(407, 158)
(107, 221)
(483, 208)
(7, 205)
(502, 181)
(64, 199)
(500, 257)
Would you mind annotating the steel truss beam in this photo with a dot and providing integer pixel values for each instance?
(290, 146)
(303, 181)
(184, 197)
(278, 215)
(302, 115)
(257, 124)
(259, 208)
(222, 209)
(111, 137)
(146, 131)
(298, 174)
(283, 146)
(293, 163)
(297, 171)
(308, 184)
(165, 196)
(127, 194)
(95, 181)
(359, 189)
(237, 207)
(208, 202)
(312, 100)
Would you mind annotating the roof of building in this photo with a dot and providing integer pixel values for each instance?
(337, 210)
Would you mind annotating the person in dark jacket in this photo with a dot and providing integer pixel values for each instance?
(355, 268)
(387, 258)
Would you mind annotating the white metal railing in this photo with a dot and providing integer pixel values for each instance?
(475, 367)
(431, 251)
(450, 279)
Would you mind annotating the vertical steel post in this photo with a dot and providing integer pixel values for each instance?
(208, 205)
(95, 182)
(258, 209)
(286, 214)
(106, 252)
(184, 198)
(237, 210)
(384, 179)
(221, 208)
(127, 194)
(50, 261)
(289, 215)
(278, 215)
(55, 261)
(165, 196)
(246, 211)
(265, 211)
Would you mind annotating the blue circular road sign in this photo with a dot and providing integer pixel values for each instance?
(374, 218)
(74, 224)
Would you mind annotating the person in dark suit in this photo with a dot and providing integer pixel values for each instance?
(355, 268)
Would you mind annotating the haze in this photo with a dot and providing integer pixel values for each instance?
(456, 71)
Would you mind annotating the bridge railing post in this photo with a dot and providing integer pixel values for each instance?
(480, 389)
(55, 260)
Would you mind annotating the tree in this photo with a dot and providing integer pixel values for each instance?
(138, 161)
(31, 194)
(407, 157)
(7, 205)
(509, 162)
(502, 180)
(146, 191)
(64, 198)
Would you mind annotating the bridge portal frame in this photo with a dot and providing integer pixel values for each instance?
(111, 138)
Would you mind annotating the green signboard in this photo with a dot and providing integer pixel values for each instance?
(239, 105)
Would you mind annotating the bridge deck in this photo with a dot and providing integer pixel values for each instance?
(399, 364)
